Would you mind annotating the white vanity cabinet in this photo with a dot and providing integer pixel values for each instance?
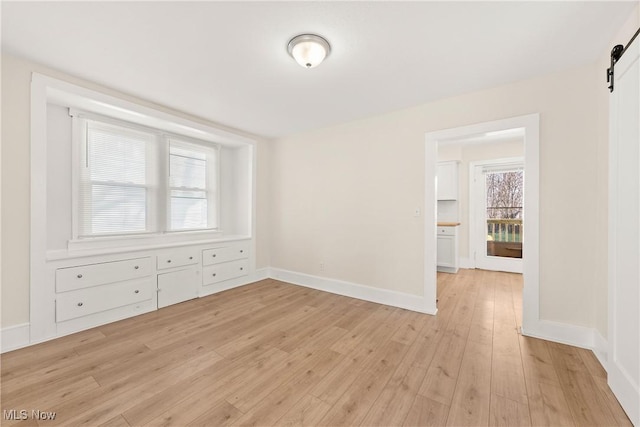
(447, 173)
(447, 252)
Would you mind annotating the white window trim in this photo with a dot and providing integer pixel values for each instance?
(158, 218)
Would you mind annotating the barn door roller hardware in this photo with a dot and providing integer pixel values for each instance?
(616, 53)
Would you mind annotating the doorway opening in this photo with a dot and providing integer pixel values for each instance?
(528, 126)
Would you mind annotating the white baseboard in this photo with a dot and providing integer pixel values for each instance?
(563, 333)
(354, 290)
(577, 336)
(14, 337)
(626, 390)
(601, 349)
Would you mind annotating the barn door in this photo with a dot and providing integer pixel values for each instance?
(624, 233)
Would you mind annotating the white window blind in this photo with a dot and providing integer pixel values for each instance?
(135, 180)
(116, 182)
(192, 199)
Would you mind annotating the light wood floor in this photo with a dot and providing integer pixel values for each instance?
(271, 353)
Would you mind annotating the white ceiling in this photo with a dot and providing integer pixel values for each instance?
(227, 61)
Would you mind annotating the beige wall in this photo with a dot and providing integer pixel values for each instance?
(16, 78)
(465, 154)
(345, 195)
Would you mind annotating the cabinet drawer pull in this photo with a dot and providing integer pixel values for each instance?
(136, 267)
(214, 274)
(241, 251)
(214, 255)
(80, 304)
(79, 276)
(168, 260)
(241, 268)
(190, 257)
(136, 291)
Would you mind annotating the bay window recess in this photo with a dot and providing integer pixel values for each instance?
(132, 180)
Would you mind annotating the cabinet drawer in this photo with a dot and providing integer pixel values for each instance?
(69, 279)
(82, 302)
(177, 258)
(446, 231)
(226, 253)
(224, 271)
(177, 286)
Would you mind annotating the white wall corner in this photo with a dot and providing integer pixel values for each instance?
(14, 337)
(261, 274)
(354, 290)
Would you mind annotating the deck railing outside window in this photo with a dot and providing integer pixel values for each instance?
(504, 230)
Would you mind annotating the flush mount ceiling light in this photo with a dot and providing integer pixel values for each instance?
(309, 50)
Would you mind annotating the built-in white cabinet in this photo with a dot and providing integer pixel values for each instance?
(177, 258)
(224, 263)
(99, 289)
(83, 302)
(178, 286)
(447, 249)
(89, 289)
(447, 173)
(178, 275)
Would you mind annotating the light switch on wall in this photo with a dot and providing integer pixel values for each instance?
(416, 212)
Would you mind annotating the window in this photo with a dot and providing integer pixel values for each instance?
(134, 180)
(191, 186)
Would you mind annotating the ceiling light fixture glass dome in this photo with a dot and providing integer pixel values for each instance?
(309, 50)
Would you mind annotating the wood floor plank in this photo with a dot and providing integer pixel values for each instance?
(353, 405)
(92, 408)
(442, 374)
(361, 331)
(273, 353)
(221, 414)
(470, 403)
(208, 381)
(547, 404)
(506, 412)
(587, 405)
(276, 404)
(308, 411)
(394, 402)
(336, 382)
(118, 421)
(507, 373)
(426, 412)
(296, 365)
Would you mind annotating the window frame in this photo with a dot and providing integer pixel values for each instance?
(212, 179)
(158, 190)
